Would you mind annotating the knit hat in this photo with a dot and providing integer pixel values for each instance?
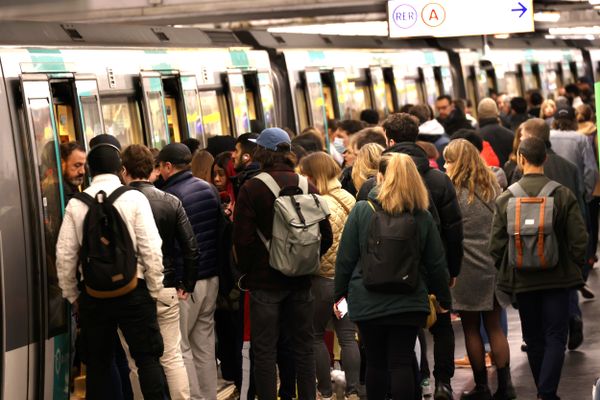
(487, 109)
(105, 155)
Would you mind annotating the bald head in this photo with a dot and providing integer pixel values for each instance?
(537, 128)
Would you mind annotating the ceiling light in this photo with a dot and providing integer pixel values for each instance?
(502, 36)
(547, 16)
(580, 30)
(594, 2)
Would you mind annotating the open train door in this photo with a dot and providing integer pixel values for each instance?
(90, 112)
(315, 100)
(51, 320)
(238, 102)
(155, 113)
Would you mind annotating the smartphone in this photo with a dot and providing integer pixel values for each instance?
(342, 307)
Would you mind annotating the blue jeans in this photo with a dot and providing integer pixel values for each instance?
(545, 324)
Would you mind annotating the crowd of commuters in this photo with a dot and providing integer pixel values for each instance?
(415, 220)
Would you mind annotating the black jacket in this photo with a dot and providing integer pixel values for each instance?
(500, 138)
(249, 172)
(173, 226)
(516, 120)
(445, 204)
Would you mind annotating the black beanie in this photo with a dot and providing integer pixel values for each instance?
(104, 156)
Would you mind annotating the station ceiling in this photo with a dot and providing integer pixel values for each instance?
(235, 14)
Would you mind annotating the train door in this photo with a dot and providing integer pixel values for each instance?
(391, 96)
(490, 75)
(378, 91)
(472, 85)
(41, 147)
(444, 79)
(191, 110)
(429, 85)
(315, 101)
(155, 113)
(238, 102)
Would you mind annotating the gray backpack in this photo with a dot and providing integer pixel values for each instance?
(295, 245)
(532, 244)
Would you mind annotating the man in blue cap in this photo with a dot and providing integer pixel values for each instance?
(279, 305)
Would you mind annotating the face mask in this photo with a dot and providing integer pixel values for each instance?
(338, 143)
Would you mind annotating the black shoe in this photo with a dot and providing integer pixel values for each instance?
(481, 392)
(524, 347)
(506, 390)
(586, 292)
(575, 333)
(443, 391)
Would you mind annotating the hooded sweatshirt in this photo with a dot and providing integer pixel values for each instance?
(433, 132)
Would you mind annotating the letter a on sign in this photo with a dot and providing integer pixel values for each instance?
(433, 15)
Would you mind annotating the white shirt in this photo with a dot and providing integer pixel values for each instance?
(137, 215)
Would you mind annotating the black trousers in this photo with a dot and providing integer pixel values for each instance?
(443, 348)
(282, 314)
(135, 315)
(390, 351)
(545, 324)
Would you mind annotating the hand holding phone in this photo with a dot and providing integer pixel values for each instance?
(340, 308)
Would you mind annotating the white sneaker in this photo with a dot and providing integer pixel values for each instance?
(339, 377)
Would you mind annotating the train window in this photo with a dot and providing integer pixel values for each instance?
(172, 119)
(379, 90)
(91, 118)
(52, 205)
(512, 84)
(303, 122)
(447, 85)
(122, 119)
(251, 105)
(156, 110)
(411, 92)
(316, 100)
(431, 92)
(63, 113)
(361, 98)
(328, 100)
(344, 96)
(239, 103)
(214, 121)
(267, 98)
(193, 113)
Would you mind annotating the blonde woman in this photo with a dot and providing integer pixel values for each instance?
(547, 111)
(389, 321)
(366, 164)
(322, 171)
(475, 291)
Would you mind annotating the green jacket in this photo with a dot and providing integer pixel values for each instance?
(570, 232)
(365, 305)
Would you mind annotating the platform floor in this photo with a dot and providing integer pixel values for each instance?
(581, 369)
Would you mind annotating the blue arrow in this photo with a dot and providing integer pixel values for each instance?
(523, 9)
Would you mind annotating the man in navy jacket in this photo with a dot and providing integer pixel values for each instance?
(202, 206)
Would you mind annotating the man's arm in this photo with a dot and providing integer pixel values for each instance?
(67, 256)
(576, 232)
(184, 234)
(451, 227)
(244, 230)
(148, 245)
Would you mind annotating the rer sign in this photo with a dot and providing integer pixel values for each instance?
(440, 18)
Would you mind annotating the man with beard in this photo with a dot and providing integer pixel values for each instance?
(243, 160)
(73, 158)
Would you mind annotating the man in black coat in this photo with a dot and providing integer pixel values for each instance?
(402, 131)
(490, 130)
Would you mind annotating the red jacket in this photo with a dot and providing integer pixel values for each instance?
(489, 155)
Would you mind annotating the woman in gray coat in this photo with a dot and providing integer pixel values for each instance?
(475, 291)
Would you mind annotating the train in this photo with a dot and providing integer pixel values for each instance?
(155, 85)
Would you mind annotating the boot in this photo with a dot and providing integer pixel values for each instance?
(482, 390)
(506, 390)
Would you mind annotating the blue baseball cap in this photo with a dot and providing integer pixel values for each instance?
(270, 138)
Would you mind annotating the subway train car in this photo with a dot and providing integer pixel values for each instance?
(64, 82)
(336, 76)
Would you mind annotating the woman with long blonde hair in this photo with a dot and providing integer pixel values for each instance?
(322, 171)
(366, 164)
(474, 294)
(389, 320)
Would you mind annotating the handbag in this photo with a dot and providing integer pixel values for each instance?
(432, 317)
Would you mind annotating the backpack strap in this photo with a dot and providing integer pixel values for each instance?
(268, 180)
(117, 193)
(517, 190)
(84, 198)
(549, 189)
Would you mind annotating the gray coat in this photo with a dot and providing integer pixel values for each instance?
(476, 284)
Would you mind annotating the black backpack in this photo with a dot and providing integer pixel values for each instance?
(391, 263)
(107, 255)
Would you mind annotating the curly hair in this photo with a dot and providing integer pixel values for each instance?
(470, 172)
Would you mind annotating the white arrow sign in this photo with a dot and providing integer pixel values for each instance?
(440, 18)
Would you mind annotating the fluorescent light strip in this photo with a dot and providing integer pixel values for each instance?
(371, 28)
(547, 16)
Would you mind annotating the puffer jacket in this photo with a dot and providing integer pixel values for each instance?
(174, 229)
(340, 204)
(203, 208)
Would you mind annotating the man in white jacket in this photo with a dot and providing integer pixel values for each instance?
(135, 312)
